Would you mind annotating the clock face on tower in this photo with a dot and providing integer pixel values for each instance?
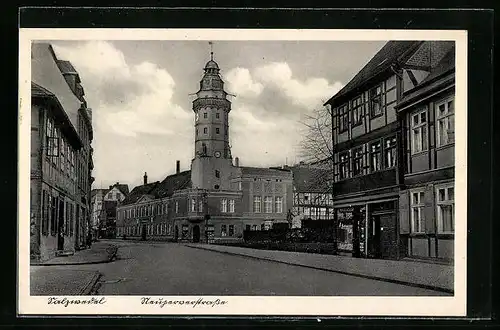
(217, 154)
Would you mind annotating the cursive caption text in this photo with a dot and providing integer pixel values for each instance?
(200, 302)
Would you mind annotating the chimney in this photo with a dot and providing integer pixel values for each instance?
(237, 162)
(110, 187)
(178, 167)
(145, 178)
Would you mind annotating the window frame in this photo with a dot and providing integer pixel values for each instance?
(372, 97)
(223, 205)
(268, 204)
(231, 205)
(257, 201)
(421, 127)
(393, 151)
(343, 117)
(344, 164)
(439, 204)
(357, 159)
(445, 118)
(420, 206)
(278, 204)
(357, 105)
(371, 152)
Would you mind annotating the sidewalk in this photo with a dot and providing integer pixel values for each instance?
(47, 281)
(421, 274)
(98, 253)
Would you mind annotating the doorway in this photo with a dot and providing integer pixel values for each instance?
(60, 226)
(196, 234)
(143, 232)
(176, 233)
(374, 250)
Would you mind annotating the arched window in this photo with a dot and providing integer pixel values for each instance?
(205, 130)
(204, 148)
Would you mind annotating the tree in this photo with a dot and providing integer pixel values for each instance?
(316, 145)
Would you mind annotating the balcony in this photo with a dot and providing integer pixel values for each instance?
(375, 180)
(212, 102)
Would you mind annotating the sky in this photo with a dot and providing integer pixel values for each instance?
(141, 97)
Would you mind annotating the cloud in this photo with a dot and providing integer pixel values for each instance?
(240, 81)
(133, 110)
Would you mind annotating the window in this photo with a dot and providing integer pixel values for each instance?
(445, 123)
(357, 161)
(217, 173)
(205, 115)
(205, 130)
(357, 111)
(239, 185)
(254, 227)
(268, 204)
(256, 204)
(376, 101)
(419, 132)
(52, 139)
(375, 157)
(231, 230)
(344, 165)
(231, 206)
(217, 115)
(200, 205)
(217, 131)
(445, 207)
(278, 205)
(223, 205)
(193, 205)
(343, 118)
(417, 211)
(216, 187)
(176, 207)
(390, 152)
(223, 230)
(63, 155)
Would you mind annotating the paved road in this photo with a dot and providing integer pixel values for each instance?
(175, 269)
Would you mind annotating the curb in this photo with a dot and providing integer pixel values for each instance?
(87, 289)
(111, 257)
(370, 277)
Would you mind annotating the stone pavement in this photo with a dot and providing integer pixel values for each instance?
(98, 253)
(420, 274)
(63, 279)
(48, 281)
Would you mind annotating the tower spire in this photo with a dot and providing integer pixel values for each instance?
(211, 50)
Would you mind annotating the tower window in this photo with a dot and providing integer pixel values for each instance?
(216, 187)
(217, 174)
(205, 130)
(205, 115)
(217, 115)
(217, 130)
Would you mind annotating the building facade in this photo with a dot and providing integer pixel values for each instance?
(378, 153)
(426, 111)
(115, 193)
(56, 145)
(217, 199)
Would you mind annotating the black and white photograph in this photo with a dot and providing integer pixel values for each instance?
(194, 172)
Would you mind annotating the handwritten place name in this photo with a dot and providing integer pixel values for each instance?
(66, 302)
(200, 302)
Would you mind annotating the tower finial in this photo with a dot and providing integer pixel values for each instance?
(211, 50)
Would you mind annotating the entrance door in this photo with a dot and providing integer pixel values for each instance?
(388, 236)
(60, 226)
(196, 234)
(143, 232)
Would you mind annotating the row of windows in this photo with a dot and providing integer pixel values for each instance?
(151, 229)
(445, 126)
(59, 150)
(445, 204)
(356, 109)
(353, 162)
(205, 131)
(145, 210)
(54, 208)
(205, 115)
(268, 204)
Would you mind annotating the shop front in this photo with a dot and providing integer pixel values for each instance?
(368, 230)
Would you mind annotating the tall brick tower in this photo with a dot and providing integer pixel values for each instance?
(211, 167)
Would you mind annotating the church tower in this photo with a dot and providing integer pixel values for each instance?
(211, 167)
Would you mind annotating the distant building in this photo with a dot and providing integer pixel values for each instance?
(107, 220)
(116, 192)
(60, 157)
(217, 199)
(312, 194)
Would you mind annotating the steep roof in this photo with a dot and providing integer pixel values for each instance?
(390, 53)
(433, 80)
(172, 183)
(94, 192)
(66, 67)
(138, 192)
(123, 188)
(311, 179)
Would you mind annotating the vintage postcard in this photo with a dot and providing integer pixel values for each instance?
(242, 172)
